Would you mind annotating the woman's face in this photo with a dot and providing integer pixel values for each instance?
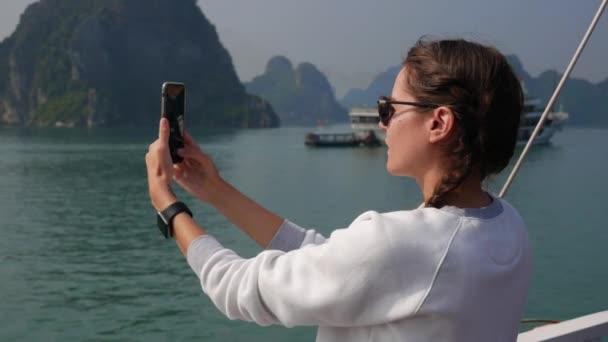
(406, 134)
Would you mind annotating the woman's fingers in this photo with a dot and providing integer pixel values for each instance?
(190, 142)
(180, 173)
(194, 155)
(188, 139)
(194, 150)
(189, 151)
(188, 166)
(179, 178)
(177, 168)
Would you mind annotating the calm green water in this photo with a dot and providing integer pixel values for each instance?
(82, 259)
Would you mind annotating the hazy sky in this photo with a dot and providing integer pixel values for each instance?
(352, 41)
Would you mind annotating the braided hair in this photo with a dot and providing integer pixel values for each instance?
(477, 83)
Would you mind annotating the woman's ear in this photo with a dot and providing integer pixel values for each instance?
(442, 124)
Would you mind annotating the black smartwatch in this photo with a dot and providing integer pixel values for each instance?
(164, 219)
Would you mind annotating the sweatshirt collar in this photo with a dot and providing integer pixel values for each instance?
(491, 211)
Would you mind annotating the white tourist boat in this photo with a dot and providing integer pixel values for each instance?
(532, 113)
(364, 121)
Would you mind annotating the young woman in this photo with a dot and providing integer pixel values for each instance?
(455, 269)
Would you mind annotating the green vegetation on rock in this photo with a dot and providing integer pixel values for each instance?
(102, 62)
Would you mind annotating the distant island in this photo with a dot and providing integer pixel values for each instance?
(102, 62)
(300, 96)
(583, 100)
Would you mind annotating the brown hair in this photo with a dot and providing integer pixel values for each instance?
(477, 83)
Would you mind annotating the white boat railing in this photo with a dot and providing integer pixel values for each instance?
(590, 328)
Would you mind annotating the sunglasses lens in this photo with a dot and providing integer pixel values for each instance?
(384, 110)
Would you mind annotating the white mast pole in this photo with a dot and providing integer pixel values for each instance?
(554, 97)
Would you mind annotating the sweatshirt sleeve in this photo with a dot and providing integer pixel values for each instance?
(345, 281)
(290, 236)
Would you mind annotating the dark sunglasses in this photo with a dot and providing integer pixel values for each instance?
(386, 110)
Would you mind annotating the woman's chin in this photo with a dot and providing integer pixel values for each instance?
(391, 169)
(398, 170)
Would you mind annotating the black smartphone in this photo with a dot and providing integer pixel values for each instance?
(173, 107)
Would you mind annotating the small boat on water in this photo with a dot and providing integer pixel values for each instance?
(349, 139)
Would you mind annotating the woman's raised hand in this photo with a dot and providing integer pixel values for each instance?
(196, 173)
(158, 165)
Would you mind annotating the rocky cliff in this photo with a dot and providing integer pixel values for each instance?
(583, 100)
(300, 96)
(382, 85)
(102, 62)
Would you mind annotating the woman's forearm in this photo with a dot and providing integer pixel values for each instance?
(253, 219)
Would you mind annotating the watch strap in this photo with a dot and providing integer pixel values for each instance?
(165, 218)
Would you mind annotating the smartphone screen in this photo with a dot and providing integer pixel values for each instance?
(173, 108)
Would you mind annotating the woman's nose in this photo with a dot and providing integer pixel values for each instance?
(381, 126)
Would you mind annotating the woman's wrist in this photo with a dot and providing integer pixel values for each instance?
(165, 200)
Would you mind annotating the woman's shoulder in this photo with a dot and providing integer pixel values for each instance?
(427, 223)
(420, 236)
(416, 224)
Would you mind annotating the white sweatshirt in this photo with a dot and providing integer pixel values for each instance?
(427, 274)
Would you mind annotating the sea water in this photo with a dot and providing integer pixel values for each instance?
(82, 258)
